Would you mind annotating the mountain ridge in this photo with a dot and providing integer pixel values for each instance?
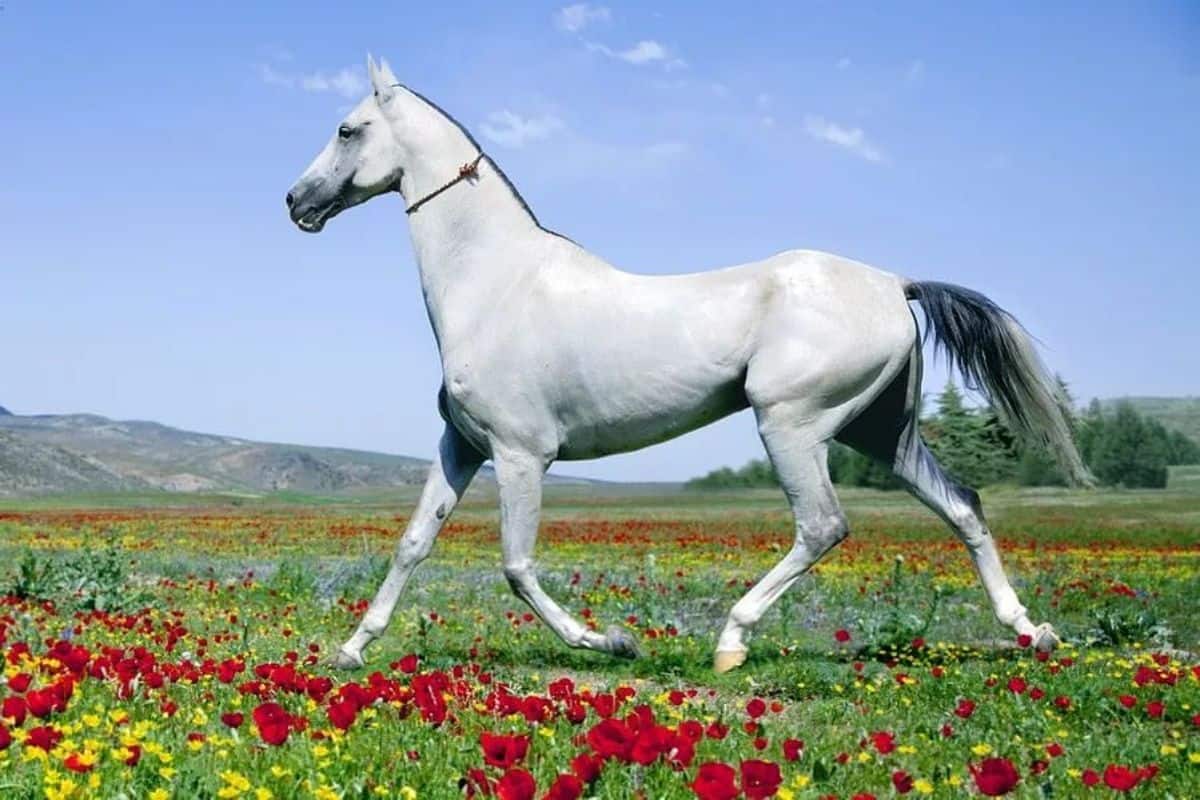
(83, 452)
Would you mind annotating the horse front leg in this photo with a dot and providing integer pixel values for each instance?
(519, 475)
(449, 475)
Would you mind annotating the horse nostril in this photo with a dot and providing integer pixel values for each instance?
(289, 200)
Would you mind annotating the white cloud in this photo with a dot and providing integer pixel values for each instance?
(852, 139)
(347, 82)
(575, 18)
(510, 129)
(647, 51)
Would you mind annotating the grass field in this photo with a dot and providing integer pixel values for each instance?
(157, 651)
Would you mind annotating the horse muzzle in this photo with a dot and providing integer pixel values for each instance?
(310, 214)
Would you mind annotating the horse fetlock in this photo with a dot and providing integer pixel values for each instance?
(621, 643)
(344, 659)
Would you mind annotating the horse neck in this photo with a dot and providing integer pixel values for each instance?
(470, 241)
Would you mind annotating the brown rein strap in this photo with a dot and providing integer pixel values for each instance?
(468, 170)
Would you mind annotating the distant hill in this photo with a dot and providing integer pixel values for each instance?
(51, 453)
(1175, 413)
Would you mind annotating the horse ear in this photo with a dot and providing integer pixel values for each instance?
(380, 82)
(386, 75)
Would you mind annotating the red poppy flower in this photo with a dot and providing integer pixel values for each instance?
(793, 749)
(1024, 640)
(43, 737)
(715, 781)
(884, 742)
(902, 781)
(14, 709)
(587, 767)
(995, 776)
(1054, 749)
(611, 738)
(1017, 685)
(19, 683)
(842, 635)
(273, 723)
(965, 708)
(516, 784)
(1120, 777)
(1090, 777)
(5, 738)
(756, 708)
(503, 751)
(1127, 700)
(760, 778)
(716, 730)
(408, 664)
(40, 703)
(341, 713)
(1155, 709)
(135, 755)
(233, 719)
(565, 787)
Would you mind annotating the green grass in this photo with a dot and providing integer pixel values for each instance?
(1116, 572)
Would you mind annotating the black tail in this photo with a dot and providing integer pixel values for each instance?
(996, 356)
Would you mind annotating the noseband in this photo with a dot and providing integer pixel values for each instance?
(468, 170)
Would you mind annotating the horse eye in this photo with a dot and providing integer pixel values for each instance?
(344, 132)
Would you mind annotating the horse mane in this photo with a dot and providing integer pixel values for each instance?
(474, 143)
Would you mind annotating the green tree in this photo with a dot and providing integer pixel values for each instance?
(1129, 450)
(973, 446)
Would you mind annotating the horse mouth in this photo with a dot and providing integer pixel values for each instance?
(314, 220)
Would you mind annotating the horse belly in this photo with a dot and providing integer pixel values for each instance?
(603, 428)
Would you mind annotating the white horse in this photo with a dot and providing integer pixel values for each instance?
(550, 353)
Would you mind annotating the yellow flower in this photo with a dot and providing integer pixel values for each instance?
(325, 793)
(158, 794)
(166, 772)
(923, 786)
(263, 793)
(784, 793)
(981, 749)
(801, 780)
(906, 748)
(1194, 756)
(408, 793)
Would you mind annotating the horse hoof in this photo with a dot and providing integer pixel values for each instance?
(343, 660)
(621, 643)
(1045, 639)
(725, 660)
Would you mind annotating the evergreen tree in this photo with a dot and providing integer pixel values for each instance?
(974, 447)
(1130, 452)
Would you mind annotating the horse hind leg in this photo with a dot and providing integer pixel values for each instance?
(960, 507)
(888, 430)
(800, 461)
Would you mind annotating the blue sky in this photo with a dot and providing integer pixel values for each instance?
(148, 269)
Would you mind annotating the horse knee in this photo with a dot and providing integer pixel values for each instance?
(519, 576)
(414, 549)
(824, 534)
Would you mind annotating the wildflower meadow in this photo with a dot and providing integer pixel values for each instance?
(163, 652)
